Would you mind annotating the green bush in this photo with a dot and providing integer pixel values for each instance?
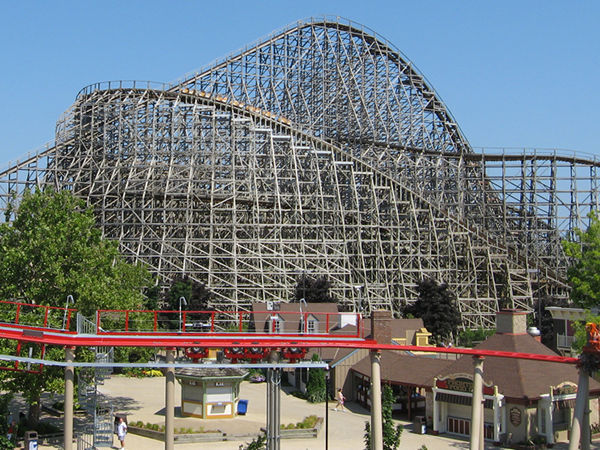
(315, 387)
(5, 443)
(308, 422)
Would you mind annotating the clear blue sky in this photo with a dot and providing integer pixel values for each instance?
(513, 73)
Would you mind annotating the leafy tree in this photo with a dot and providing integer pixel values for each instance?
(316, 385)
(197, 295)
(584, 274)
(580, 335)
(6, 444)
(391, 432)
(313, 290)
(50, 250)
(152, 301)
(544, 321)
(468, 337)
(438, 309)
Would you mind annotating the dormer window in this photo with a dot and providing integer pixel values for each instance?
(276, 324)
(312, 325)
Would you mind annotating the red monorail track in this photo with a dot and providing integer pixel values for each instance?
(197, 340)
(43, 335)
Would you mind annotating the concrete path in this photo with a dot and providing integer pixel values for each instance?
(144, 398)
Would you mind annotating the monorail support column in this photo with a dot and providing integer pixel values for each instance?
(476, 442)
(376, 410)
(581, 404)
(273, 404)
(382, 333)
(68, 402)
(170, 401)
(589, 363)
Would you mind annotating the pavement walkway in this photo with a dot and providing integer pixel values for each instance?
(143, 399)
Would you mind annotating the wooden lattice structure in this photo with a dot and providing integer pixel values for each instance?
(319, 150)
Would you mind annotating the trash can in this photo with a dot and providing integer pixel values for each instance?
(420, 425)
(31, 440)
(242, 407)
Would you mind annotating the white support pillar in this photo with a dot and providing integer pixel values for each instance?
(549, 426)
(436, 410)
(497, 415)
(170, 401)
(376, 419)
(477, 404)
(68, 401)
(581, 404)
(545, 406)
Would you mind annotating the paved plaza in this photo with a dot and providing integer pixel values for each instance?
(143, 399)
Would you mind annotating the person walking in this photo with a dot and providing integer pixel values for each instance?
(122, 432)
(340, 400)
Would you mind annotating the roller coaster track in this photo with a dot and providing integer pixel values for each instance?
(319, 150)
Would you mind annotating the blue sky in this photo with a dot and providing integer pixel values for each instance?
(513, 73)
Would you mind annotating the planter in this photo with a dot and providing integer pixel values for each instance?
(180, 438)
(300, 433)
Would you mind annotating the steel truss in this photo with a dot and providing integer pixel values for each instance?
(321, 150)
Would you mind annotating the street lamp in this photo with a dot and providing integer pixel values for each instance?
(302, 321)
(69, 300)
(181, 300)
(359, 295)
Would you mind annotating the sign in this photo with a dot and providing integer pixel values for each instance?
(565, 389)
(515, 416)
(461, 384)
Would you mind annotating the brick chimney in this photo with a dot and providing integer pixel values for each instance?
(381, 330)
(511, 321)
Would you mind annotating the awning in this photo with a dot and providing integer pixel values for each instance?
(460, 399)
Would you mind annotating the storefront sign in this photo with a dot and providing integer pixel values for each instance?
(565, 389)
(462, 385)
(515, 416)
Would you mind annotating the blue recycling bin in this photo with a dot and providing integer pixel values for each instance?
(31, 440)
(242, 407)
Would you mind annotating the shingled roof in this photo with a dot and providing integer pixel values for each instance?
(518, 378)
(325, 313)
(400, 368)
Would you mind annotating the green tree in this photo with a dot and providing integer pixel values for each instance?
(471, 337)
(53, 249)
(438, 309)
(315, 386)
(544, 321)
(197, 298)
(584, 273)
(313, 290)
(197, 295)
(391, 432)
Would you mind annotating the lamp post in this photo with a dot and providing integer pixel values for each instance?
(327, 409)
(359, 295)
(181, 300)
(69, 300)
(302, 321)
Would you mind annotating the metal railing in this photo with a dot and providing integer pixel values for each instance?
(564, 341)
(272, 322)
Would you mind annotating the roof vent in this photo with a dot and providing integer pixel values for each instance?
(533, 331)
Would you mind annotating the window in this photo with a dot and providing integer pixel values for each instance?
(276, 325)
(463, 427)
(311, 326)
